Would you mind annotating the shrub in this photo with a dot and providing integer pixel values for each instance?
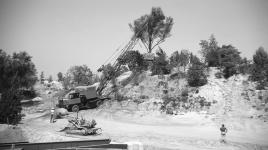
(196, 76)
(261, 85)
(266, 100)
(177, 75)
(163, 84)
(184, 93)
(259, 71)
(160, 64)
(119, 97)
(10, 108)
(144, 97)
(134, 60)
(26, 94)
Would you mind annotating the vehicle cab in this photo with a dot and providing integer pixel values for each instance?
(70, 99)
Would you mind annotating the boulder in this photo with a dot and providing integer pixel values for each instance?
(37, 99)
(61, 112)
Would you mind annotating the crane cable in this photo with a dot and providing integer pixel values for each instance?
(130, 44)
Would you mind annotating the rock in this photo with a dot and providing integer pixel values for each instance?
(37, 99)
(61, 112)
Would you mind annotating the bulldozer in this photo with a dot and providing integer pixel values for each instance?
(82, 127)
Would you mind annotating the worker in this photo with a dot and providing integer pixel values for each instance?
(223, 130)
(52, 115)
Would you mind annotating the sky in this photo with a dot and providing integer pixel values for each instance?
(59, 34)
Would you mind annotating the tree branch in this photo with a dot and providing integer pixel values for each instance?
(145, 46)
(160, 41)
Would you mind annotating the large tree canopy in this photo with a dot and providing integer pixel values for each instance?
(17, 72)
(133, 59)
(18, 69)
(152, 29)
(229, 58)
(80, 75)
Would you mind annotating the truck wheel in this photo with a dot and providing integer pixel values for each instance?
(75, 108)
(84, 132)
(99, 103)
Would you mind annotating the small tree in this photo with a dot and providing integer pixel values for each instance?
(174, 59)
(160, 64)
(50, 79)
(210, 52)
(108, 73)
(195, 74)
(180, 59)
(60, 76)
(67, 82)
(245, 66)
(260, 68)
(42, 77)
(152, 29)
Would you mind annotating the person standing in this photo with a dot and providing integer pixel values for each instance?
(52, 115)
(223, 130)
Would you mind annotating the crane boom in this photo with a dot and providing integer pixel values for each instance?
(128, 47)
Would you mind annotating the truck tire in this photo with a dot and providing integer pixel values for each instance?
(98, 103)
(75, 108)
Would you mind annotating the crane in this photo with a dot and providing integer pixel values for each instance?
(128, 47)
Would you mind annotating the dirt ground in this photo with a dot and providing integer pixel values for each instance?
(166, 132)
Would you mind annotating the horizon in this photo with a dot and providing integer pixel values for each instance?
(64, 33)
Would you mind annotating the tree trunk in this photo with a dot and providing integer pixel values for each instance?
(150, 44)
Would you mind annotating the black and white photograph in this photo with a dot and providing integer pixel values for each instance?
(133, 74)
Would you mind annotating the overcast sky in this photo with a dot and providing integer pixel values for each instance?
(62, 33)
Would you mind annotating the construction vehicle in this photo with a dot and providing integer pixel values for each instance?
(81, 97)
(82, 127)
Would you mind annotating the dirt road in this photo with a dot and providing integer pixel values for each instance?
(182, 134)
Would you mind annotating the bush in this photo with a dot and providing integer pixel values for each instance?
(196, 76)
(184, 93)
(259, 71)
(119, 97)
(266, 100)
(160, 64)
(261, 85)
(144, 97)
(134, 60)
(10, 108)
(177, 75)
(163, 84)
(26, 94)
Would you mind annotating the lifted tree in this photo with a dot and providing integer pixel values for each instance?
(152, 29)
